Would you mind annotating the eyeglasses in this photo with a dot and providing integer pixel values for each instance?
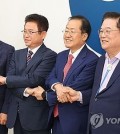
(30, 32)
(70, 32)
(106, 31)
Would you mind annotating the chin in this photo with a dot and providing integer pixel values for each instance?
(104, 46)
(68, 45)
(27, 44)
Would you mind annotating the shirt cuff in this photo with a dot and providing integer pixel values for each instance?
(46, 96)
(25, 93)
(54, 85)
(5, 80)
(80, 98)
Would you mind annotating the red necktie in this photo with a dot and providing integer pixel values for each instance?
(68, 65)
(66, 69)
(29, 56)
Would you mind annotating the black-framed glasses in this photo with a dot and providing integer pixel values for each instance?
(29, 32)
(106, 31)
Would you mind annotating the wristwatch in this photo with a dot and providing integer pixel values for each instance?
(43, 95)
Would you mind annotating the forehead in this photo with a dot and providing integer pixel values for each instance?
(74, 24)
(31, 25)
(110, 23)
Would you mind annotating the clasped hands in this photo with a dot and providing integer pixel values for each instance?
(64, 94)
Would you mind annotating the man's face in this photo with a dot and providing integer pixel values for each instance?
(110, 35)
(32, 36)
(73, 36)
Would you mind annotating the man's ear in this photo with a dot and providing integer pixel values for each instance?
(84, 36)
(43, 33)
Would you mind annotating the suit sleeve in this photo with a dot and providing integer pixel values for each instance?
(51, 98)
(84, 81)
(52, 78)
(7, 92)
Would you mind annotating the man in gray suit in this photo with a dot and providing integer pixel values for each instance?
(29, 68)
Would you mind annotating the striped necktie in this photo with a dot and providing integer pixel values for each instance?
(30, 53)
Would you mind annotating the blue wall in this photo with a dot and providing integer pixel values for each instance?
(93, 10)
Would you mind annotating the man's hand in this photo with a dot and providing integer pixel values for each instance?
(37, 92)
(73, 94)
(29, 91)
(3, 118)
(2, 80)
(61, 92)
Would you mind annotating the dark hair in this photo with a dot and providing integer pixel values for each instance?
(40, 20)
(86, 27)
(112, 15)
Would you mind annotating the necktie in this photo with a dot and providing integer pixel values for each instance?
(29, 56)
(68, 65)
(66, 69)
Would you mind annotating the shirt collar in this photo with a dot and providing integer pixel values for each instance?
(117, 56)
(75, 54)
(34, 50)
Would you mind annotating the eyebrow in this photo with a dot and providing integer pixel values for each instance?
(106, 28)
(30, 29)
(70, 28)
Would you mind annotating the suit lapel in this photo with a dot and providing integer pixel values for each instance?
(79, 59)
(98, 75)
(114, 76)
(99, 71)
(24, 59)
(36, 58)
(62, 65)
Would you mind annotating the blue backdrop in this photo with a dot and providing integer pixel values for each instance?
(94, 10)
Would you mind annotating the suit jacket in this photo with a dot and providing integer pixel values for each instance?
(106, 105)
(6, 52)
(33, 114)
(73, 117)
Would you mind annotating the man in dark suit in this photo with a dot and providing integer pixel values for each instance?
(105, 101)
(71, 117)
(6, 52)
(29, 68)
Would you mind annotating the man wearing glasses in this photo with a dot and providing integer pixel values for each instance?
(104, 115)
(28, 69)
(105, 100)
(74, 70)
